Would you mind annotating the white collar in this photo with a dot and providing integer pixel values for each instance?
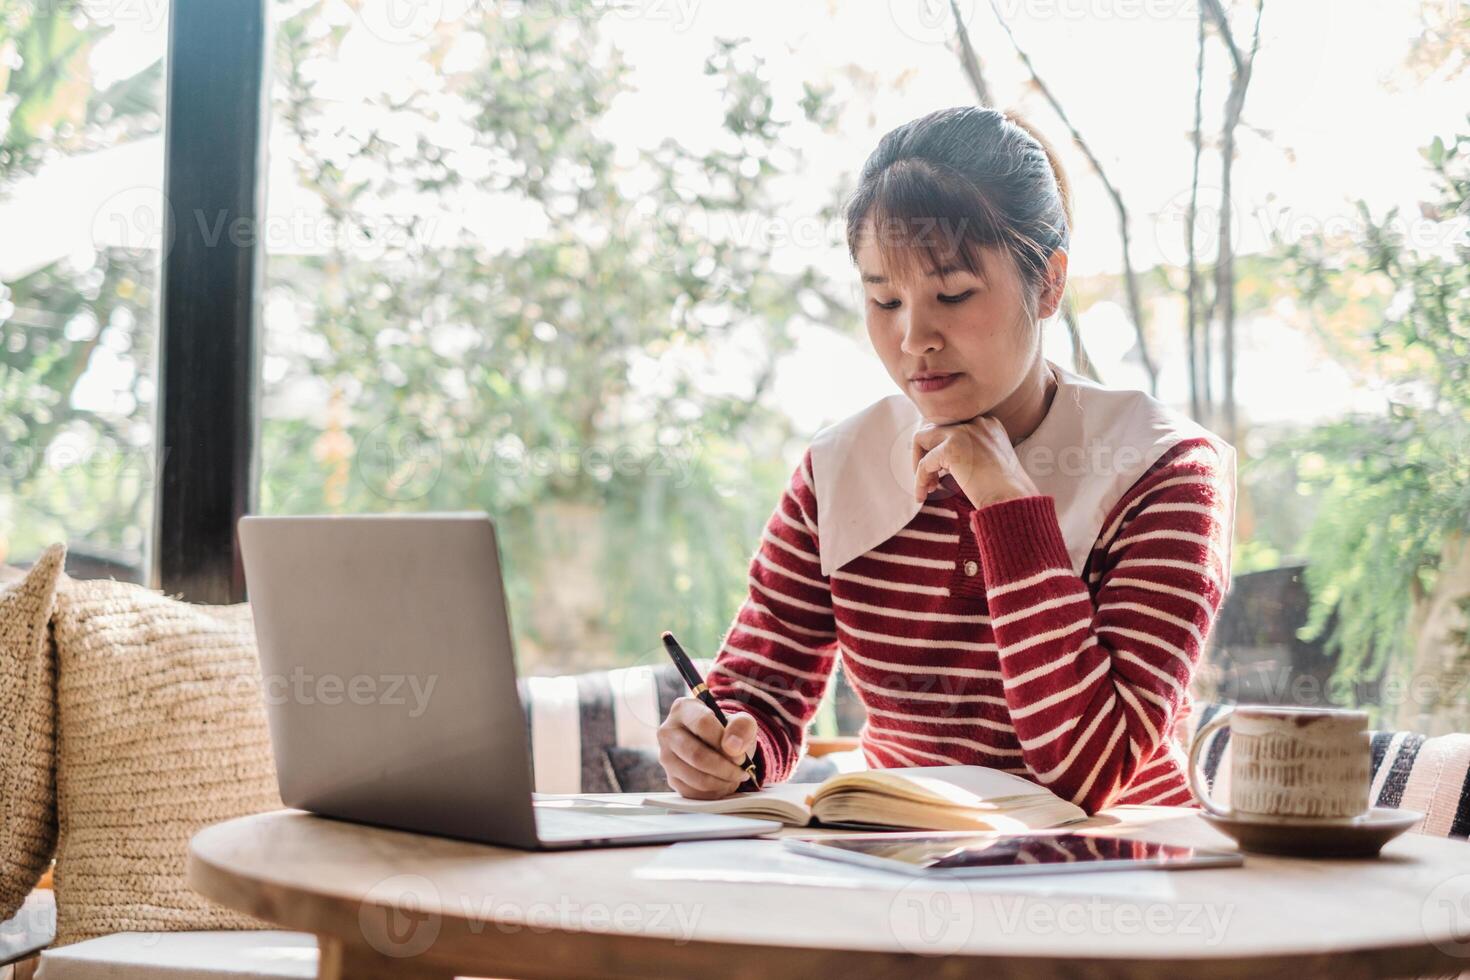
(1091, 447)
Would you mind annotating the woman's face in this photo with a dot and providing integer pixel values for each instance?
(958, 345)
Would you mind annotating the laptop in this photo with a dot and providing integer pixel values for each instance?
(389, 677)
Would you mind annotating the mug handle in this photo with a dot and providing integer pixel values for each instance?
(1200, 792)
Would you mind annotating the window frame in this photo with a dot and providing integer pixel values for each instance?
(207, 422)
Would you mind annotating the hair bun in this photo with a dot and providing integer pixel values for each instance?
(1064, 189)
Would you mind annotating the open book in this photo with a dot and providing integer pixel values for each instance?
(919, 798)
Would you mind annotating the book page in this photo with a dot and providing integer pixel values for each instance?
(969, 786)
(886, 812)
(942, 798)
(785, 802)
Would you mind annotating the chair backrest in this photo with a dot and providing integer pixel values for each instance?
(1410, 771)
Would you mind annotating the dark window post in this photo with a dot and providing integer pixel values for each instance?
(207, 423)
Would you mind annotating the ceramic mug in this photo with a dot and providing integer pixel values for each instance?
(1288, 762)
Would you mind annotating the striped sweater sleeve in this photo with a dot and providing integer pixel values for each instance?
(777, 657)
(1093, 688)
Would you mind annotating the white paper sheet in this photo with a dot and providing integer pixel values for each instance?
(768, 862)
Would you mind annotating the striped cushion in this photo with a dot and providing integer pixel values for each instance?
(573, 719)
(1411, 771)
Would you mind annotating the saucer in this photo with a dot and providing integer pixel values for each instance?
(1361, 836)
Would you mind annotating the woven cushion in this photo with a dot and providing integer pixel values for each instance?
(1410, 771)
(27, 731)
(161, 731)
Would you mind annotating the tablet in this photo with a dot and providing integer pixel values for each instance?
(991, 855)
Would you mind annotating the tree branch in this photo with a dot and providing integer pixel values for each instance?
(1130, 279)
(969, 60)
(1197, 333)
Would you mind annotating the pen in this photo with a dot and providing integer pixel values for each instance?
(699, 689)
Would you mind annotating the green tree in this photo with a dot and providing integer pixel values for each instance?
(1387, 550)
(449, 369)
(53, 319)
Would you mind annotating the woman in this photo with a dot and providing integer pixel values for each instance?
(1017, 567)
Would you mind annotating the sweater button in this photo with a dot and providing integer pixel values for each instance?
(971, 567)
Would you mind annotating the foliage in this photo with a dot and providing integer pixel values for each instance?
(80, 468)
(563, 372)
(407, 368)
(1393, 486)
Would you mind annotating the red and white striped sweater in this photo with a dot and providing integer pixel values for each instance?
(970, 639)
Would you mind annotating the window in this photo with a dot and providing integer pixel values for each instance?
(81, 208)
(484, 295)
(581, 265)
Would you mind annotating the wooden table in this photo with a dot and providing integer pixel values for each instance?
(390, 904)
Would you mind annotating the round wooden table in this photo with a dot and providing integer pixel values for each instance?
(391, 904)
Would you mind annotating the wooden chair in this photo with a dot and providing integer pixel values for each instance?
(816, 747)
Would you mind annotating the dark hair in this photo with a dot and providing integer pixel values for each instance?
(940, 187)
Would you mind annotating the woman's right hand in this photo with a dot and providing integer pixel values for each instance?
(700, 758)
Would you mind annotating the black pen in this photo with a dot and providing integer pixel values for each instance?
(701, 690)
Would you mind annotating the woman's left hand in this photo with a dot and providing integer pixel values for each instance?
(978, 454)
